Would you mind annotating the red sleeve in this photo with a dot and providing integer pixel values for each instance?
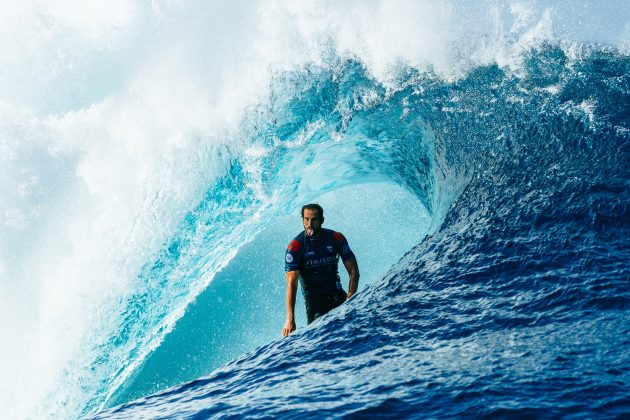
(294, 246)
(339, 237)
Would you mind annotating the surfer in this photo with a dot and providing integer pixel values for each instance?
(313, 257)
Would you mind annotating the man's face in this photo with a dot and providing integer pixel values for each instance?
(312, 222)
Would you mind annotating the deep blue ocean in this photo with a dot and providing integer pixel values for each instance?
(516, 303)
(154, 157)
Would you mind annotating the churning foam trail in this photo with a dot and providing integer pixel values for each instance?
(112, 117)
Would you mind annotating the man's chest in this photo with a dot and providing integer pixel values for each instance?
(317, 254)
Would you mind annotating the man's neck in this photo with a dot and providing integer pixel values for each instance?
(315, 235)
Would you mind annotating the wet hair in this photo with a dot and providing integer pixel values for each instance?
(314, 206)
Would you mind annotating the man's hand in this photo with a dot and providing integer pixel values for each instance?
(289, 327)
(349, 296)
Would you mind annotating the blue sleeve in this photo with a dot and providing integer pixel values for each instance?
(292, 256)
(343, 248)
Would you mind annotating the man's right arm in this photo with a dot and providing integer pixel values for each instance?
(292, 283)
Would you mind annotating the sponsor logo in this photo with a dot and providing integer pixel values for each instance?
(289, 258)
(322, 261)
(329, 248)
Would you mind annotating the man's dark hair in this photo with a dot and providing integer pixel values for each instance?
(314, 206)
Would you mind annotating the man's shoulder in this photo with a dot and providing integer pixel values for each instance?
(296, 242)
(299, 237)
(336, 235)
(329, 232)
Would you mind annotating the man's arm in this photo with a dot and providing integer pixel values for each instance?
(292, 281)
(353, 271)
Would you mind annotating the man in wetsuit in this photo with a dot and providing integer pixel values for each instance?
(313, 256)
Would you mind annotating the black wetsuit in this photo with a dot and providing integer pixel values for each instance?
(317, 261)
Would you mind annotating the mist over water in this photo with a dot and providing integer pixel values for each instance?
(142, 145)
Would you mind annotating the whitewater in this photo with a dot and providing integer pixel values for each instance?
(154, 157)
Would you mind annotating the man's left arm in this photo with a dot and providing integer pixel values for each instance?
(353, 271)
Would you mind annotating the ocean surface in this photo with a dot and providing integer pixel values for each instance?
(485, 191)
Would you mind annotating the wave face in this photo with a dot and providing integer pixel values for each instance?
(516, 304)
